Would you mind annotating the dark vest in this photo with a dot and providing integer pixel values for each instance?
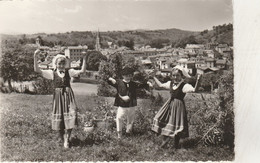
(177, 94)
(122, 88)
(60, 82)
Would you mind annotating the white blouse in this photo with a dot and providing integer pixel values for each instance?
(48, 74)
(187, 88)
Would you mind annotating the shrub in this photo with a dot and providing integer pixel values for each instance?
(142, 123)
(104, 89)
(214, 120)
(157, 100)
(43, 86)
(5, 89)
(226, 95)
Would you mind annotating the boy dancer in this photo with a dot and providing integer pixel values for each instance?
(126, 99)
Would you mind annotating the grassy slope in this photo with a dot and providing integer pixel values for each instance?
(26, 135)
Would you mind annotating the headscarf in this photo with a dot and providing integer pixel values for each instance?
(55, 59)
(183, 70)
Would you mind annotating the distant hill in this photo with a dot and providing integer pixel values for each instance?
(155, 38)
(222, 34)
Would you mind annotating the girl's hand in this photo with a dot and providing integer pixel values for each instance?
(198, 77)
(150, 84)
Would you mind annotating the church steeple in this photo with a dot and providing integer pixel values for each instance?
(97, 46)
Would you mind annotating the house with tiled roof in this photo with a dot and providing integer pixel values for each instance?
(209, 53)
(211, 45)
(161, 61)
(166, 72)
(210, 62)
(187, 64)
(200, 63)
(221, 63)
(222, 47)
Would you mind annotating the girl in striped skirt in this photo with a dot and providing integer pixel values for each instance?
(171, 119)
(64, 106)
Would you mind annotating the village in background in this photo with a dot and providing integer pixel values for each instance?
(195, 58)
(208, 51)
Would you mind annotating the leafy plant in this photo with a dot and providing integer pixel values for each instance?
(16, 63)
(214, 117)
(43, 86)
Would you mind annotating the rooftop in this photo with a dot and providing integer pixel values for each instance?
(210, 59)
(166, 70)
(182, 60)
(222, 61)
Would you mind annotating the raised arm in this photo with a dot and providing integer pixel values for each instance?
(36, 65)
(162, 85)
(157, 82)
(83, 68)
(75, 73)
(197, 81)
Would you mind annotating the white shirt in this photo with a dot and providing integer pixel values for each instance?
(48, 74)
(187, 88)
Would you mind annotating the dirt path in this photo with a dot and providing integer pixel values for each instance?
(84, 88)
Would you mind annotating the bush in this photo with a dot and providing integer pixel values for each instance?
(104, 89)
(226, 96)
(213, 119)
(3, 88)
(157, 100)
(43, 86)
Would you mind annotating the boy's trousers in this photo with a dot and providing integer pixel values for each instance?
(129, 113)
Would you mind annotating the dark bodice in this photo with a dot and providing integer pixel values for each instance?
(60, 82)
(177, 94)
(127, 89)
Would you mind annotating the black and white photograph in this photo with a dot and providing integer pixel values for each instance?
(134, 80)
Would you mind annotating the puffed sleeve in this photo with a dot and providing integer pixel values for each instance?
(166, 85)
(48, 74)
(187, 88)
(74, 73)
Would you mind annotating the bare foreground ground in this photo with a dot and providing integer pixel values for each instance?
(26, 135)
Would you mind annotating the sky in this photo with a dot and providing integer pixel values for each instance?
(28, 17)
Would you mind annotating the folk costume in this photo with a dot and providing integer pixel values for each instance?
(171, 119)
(64, 105)
(126, 108)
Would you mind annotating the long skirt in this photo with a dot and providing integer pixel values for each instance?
(64, 115)
(171, 119)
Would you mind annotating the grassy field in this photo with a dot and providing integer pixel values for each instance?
(26, 135)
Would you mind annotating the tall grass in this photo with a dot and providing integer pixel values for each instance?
(26, 135)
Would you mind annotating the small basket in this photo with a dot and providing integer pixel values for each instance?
(88, 127)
